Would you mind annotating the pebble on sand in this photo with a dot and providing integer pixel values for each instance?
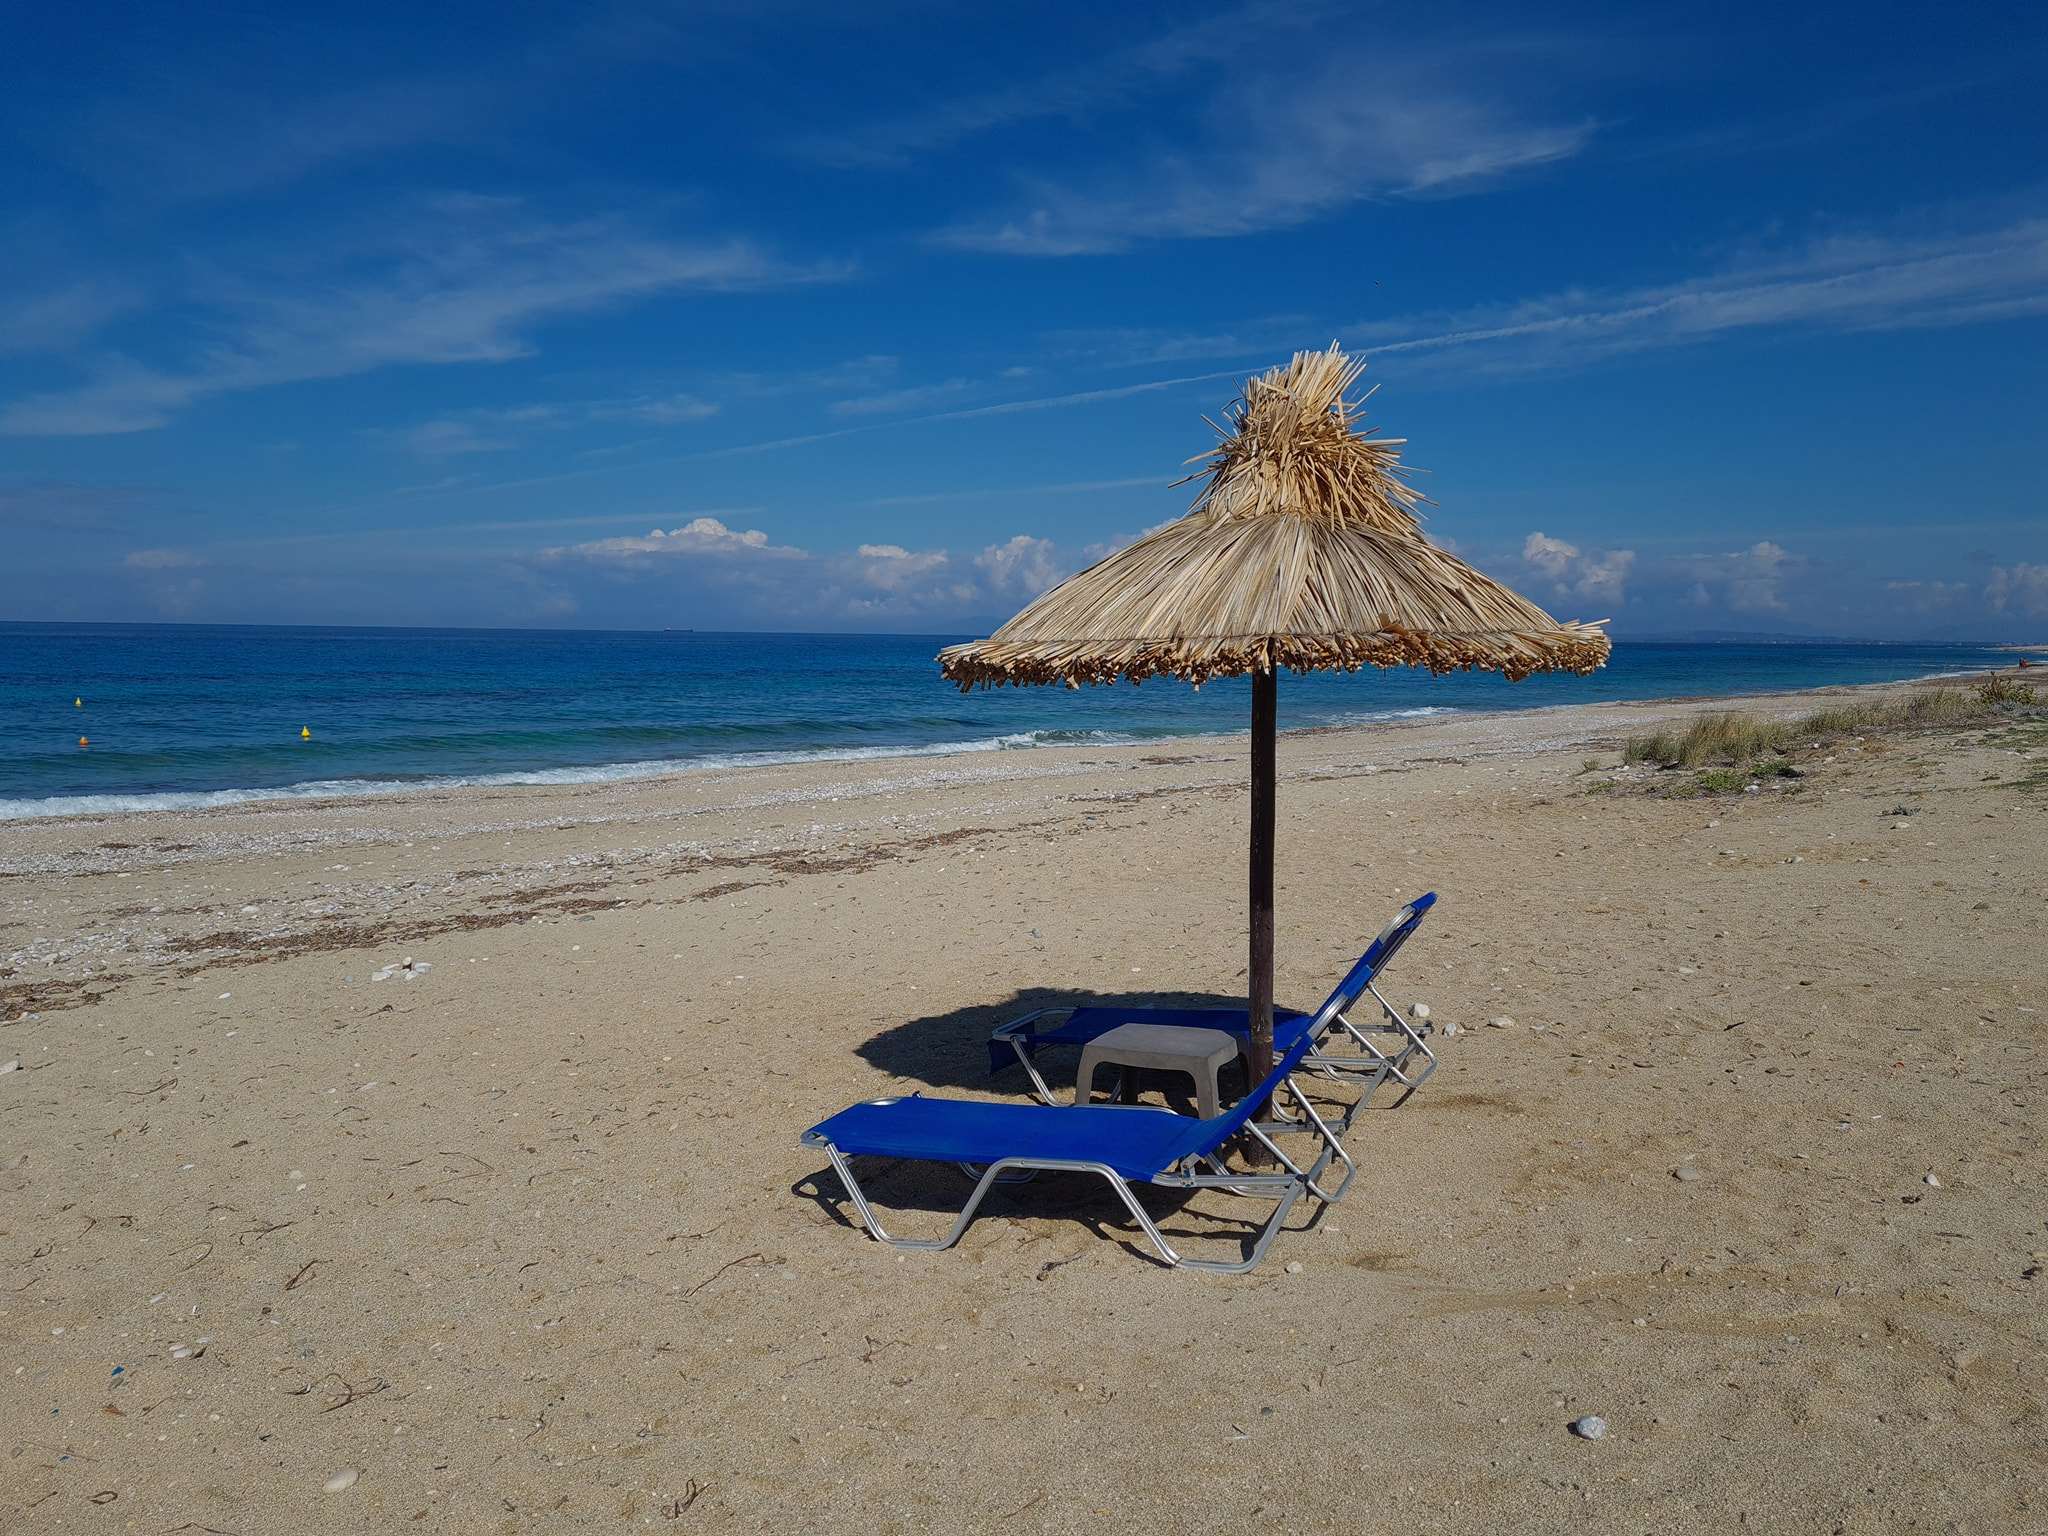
(1294, 1266)
(1685, 1173)
(1500, 1021)
(1931, 1182)
(1418, 1010)
(1591, 1427)
(342, 1481)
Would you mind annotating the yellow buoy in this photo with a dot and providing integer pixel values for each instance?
(82, 741)
(305, 733)
(78, 703)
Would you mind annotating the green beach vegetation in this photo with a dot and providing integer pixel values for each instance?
(1729, 751)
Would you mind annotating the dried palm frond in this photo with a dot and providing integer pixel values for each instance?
(1302, 551)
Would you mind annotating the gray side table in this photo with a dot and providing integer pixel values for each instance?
(1200, 1053)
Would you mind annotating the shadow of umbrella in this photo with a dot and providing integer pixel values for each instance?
(950, 1050)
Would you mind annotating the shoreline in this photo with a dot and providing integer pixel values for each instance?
(376, 867)
(315, 793)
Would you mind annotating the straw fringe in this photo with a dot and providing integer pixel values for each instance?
(1302, 551)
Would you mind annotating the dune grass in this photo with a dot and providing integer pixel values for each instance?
(1759, 746)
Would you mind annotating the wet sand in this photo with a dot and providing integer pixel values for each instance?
(522, 1236)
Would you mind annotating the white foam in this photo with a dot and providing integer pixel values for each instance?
(603, 773)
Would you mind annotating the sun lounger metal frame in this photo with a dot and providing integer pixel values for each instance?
(1199, 1168)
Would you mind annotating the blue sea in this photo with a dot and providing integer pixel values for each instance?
(187, 715)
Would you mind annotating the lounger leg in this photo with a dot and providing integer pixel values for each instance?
(1333, 1148)
(1288, 1195)
(1038, 1084)
(1260, 1244)
(1401, 1026)
(1011, 1034)
(919, 1244)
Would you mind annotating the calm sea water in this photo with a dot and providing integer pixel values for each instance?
(182, 715)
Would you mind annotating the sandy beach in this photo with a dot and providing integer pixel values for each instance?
(445, 1147)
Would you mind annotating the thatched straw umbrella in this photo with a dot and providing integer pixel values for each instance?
(1301, 551)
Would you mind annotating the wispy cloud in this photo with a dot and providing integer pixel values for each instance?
(446, 436)
(872, 371)
(464, 281)
(74, 507)
(914, 397)
(660, 411)
(494, 429)
(60, 316)
(196, 147)
(1280, 145)
(805, 439)
(1849, 282)
(1076, 93)
(988, 492)
(162, 560)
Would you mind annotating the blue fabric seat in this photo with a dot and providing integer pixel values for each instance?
(1151, 1146)
(1137, 1143)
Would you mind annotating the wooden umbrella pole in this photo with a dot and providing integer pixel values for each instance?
(1265, 711)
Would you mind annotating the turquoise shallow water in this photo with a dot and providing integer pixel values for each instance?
(180, 715)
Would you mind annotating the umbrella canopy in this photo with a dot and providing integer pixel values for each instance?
(1303, 551)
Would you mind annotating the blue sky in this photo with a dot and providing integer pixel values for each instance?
(885, 317)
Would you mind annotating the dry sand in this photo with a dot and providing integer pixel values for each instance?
(527, 1242)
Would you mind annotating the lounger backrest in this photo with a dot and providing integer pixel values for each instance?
(1374, 960)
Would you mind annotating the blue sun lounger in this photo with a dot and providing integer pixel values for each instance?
(1408, 1063)
(1006, 1143)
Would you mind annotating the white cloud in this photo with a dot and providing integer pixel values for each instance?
(700, 536)
(1023, 567)
(462, 280)
(707, 565)
(1102, 549)
(1748, 580)
(2019, 588)
(1929, 596)
(1553, 557)
(892, 568)
(1600, 578)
